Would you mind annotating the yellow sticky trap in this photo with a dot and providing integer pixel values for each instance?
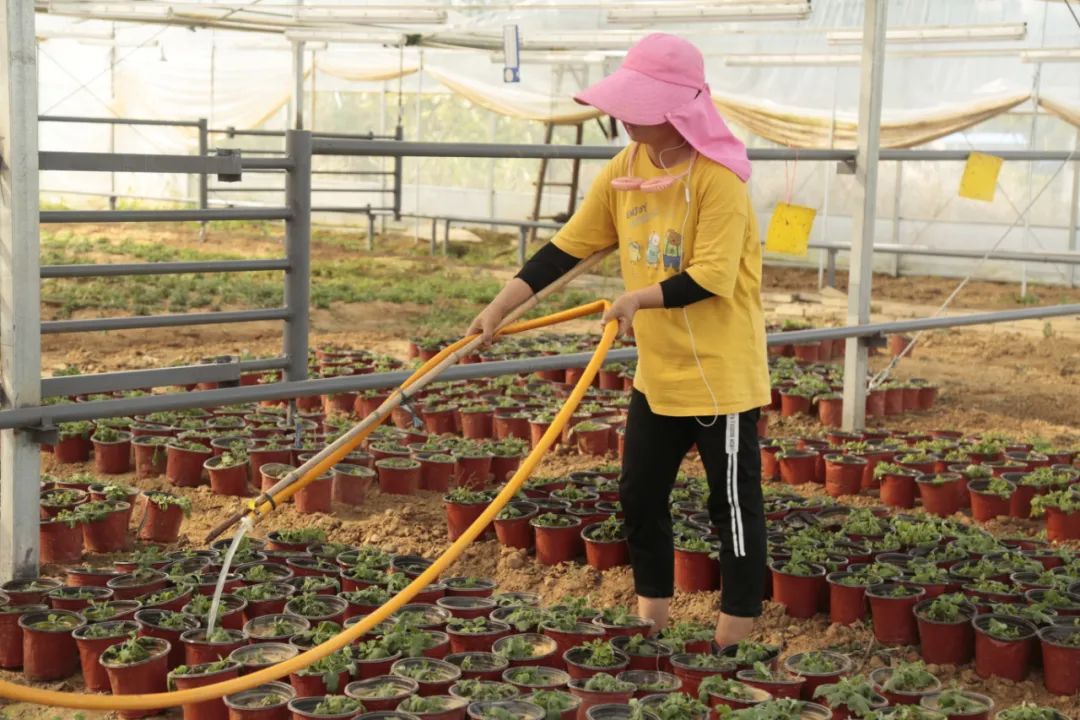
(980, 177)
(789, 229)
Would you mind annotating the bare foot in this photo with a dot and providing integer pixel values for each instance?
(731, 629)
(655, 609)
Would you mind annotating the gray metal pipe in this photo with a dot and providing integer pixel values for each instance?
(158, 377)
(116, 121)
(138, 163)
(162, 268)
(52, 414)
(198, 215)
(263, 164)
(140, 322)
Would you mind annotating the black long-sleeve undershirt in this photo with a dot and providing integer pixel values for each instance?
(549, 263)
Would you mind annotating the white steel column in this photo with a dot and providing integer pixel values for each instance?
(860, 274)
(296, 103)
(20, 290)
(1073, 231)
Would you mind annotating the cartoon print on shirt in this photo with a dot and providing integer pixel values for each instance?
(652, 254)
(634, 250)
(673, 251)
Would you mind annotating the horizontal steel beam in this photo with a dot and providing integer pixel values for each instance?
(385, 173)
(377, 148)
(313, 190)
(122, 380)
(162, 268)
(490, 221)
(116, 121)
(139, 163)
(347, 209)
(53, 414)
(108, 216)
(1067, 258)
(140, 322)
(262, 164)
(234, 132)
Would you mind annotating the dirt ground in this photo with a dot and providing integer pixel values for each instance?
(992, 378)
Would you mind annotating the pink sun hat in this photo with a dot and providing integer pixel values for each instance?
(662, 80)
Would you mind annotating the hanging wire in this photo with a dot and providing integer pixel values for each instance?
(1069, 7)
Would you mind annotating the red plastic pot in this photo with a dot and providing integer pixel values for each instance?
(831, 411)
(108, 534)
(316, 496)
(510, 425)
(566, 639)
(898, 490)
(184, 468)
(113, 458)
(435, 475)
(692, 676)
(49, 654)
(847, 603)
(843, 475)
(403, 480)
(941, 499)
(147, 620)
(590, 699)
(1009, 659)
(792, 405)
(593, 442)
(894, 617)
(142, 678)
(556, 545)
(231, 481)
(351, 483)
(150, 457)
(503, 467)
(695, 571)
(604, 555)
(812, 681)
(798, 467)
(459, 516)
(1061, 660)
(95, 676)
(1061, 526)
(472, 472)
(779, 689)
(944, 643)
(477, 424)
(895, 698)
(517, 532)
(253, 705)
(60, 542)
(11, 642)
(161, 525)
(315, 684)
(476, 642)
(208, 709)
(799, 595)
(73, 449)
(360, 689)
(198, 651)
(986, 506)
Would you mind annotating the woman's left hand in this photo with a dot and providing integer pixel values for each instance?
(622, 310)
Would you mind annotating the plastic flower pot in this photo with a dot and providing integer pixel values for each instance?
(557, 544)
(479, 665)
(198, 649)
(199, 676)
(133, 585)
(898, 489)
(11, 642)
(504, 466)
(351, 483)
(72, 449)
(1062, 526)
(792, 405)
(566, 639)
(231, 480)
(576, 660)
(1061, 658)
(532, 678)
(604, 554)
(799, 594)
(986, 703)
(847, 603)
(262, 655)
(472, 471)
(265, 702)
(545, 650)
(49, 651)
(466, 607)
(944, 643)
(460, 515)
(311, 684)
(184, 466)
(436, 473)
(798, 467)
(316, 496)
(108, 534)
(695, 571)
(592, 438)
(843, 474)
(683, 667)
(437, 678)
(516, 532)
(305, 708)
(398, 476)
(383, 693)
(139, 678)
(789, 686)
(150, 456)
(77, 599)
(650, 682)
(477, 423)
(590, 698)
(510, 424)
(114, 457)
(60, 541)
(150, 626)
(985, 506)
(1005, 658)
(160, 523)
(893, 616)
(651, 656)
(813, 680)
(940, 498)
(831, 411)
(879, 677)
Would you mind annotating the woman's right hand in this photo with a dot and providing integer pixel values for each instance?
(486, 323)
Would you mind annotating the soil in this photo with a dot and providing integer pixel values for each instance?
(993, 379)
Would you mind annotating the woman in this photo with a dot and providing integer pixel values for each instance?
(676, 203)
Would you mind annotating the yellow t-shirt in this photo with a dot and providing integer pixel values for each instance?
(717, 244)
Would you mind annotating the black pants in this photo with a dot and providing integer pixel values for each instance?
(654, 449)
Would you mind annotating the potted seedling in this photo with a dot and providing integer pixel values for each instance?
(164, 514)
(434, 676)
(479, 665)
(435, 707)
(112, 450)
(558, 538)
(592, 437)
(819, 667)
(557, 704)
(137, 666)
(944, 627)
(474, 690)
(843, 474)
(605, 544)
(381, 694)
(651, 682)
(1061, 658)
(679, 706)
(645, 653)
(529, 678)
(592, 657)
(60, 538)
(778, 683)
(940, 493)
(463, 507)
(696, 566)
(891, 608)
(566, 629)
(600, 689)
(265, 702)
(261, 655)
(184, 461)
(1029, 711)
(325, 707)
(906, 683)
(104, 525)
(202, 647)
(797, 466)
(1062, 511)
(77, 598)
(990, 498)
(328, 675)
(172, 597)
(472, 464)
(525, 649)
(797, 585)
(747, 653)
(512, 524)
(720, 691)
(317, 608)
(475, 634)
(692, 668)
(229, 471)
(618, 620)
(188, 677)
(49, 651)
(1003, 646)
(957, 704)
(92, 641)
(687, 637)
(166, 625)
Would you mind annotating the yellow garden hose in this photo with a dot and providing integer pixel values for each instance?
(156, 701)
